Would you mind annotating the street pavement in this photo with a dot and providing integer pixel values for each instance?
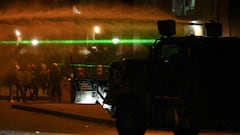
(86, 112)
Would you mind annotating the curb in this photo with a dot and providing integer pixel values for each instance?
(64, 115)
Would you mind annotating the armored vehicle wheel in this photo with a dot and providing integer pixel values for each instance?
(130, 117)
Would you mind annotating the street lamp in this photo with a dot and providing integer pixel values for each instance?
(18, 35)
(96, 30)
(34, 42)
(115, 40)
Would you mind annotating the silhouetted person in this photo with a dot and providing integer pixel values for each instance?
(81, 74)
(43, 78)
(10, 82)
(55, 83)
(18, 78)
(27, 81)
(34, 84)
(100, 73)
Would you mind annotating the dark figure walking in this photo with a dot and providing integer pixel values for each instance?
(10, 82)
(34, 83)
(19, 84)
(43, 78)
(55, 83)
(100, 73)
(27, 81)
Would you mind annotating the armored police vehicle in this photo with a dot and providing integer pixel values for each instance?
(187, 84)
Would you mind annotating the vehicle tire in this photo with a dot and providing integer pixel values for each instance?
(187, 124)
(130, 117)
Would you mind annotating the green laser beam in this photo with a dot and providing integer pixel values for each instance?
(97, 42)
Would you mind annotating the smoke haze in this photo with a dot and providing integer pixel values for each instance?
(57, 21)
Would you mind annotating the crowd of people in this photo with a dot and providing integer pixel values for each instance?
(26, 81)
